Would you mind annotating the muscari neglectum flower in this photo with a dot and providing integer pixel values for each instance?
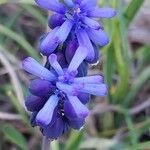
(72, 21)
(57, 97)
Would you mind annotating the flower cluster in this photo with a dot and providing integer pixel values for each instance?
(61, 88)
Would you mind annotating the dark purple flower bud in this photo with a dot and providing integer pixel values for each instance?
(53, 5)
(84, 97)
(32, 119)
(34, 103)
(82, 69)
(55, 20)
(76, 124)
(55, 130)
(73, 108)
(41, 88)
(71, 49)
(61, 60)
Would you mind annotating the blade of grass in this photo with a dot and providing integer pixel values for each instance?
(17, 1)
(35, 13)
(20, 40)
(136, 86)
(132, 10)
(74, 140)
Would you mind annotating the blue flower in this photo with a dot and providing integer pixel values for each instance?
(57, 97)
(73, 21)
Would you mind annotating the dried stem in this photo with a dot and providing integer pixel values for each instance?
(46, 144)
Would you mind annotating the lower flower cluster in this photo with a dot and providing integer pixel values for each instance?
(58, 94)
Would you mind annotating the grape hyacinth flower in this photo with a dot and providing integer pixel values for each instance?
(73, 20)
(57, 97)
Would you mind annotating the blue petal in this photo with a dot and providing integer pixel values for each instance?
(53, 5)
(44, 117)
(48, 43)
(68, 89)
(69, 3)
(34, 103)
(64, 31)
(84, 41)
(91, 23)
(79, 56)
(32, 66)
(88, 4)
(41, 88)
(98, 36)
(94, 79)
(77, 109)
(54, 63)
(55, 20)
(95, 89)
(102, 13)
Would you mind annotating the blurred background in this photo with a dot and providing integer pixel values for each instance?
(121, 121)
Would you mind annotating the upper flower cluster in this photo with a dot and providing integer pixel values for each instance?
(73, 21)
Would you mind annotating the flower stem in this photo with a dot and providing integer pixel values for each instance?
(46, 144)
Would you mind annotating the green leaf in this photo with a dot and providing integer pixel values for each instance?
(15, 137)
(74, 140)
(132, 10)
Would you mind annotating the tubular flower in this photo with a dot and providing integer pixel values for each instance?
(73, 19)
(57, 97)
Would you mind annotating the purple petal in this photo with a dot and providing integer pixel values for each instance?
(41, 88)
(55, 20)
(91, 23)
(96, 79)
(45, 115)
(54, 63)
(53, 5)
(71, 49)
(84, 41)
(34, 103)
(98, 37)
(79, 56)
(102, 13)
(56, 130)
(80, 110)
(84, 97)
(32, 66)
